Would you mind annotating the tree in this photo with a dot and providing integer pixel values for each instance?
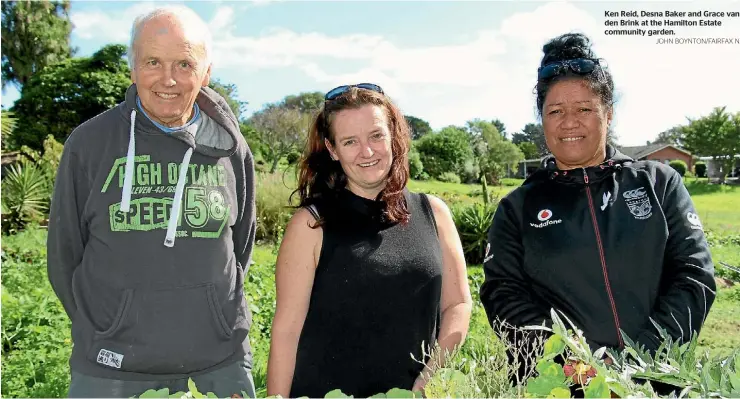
(518, 138)
(501, 154)
(529, 150)
(533, 133)
(419, 127)
(501, 127)
(34, 34)
(281, 129)
(670, 136)
(308, 102)
(481, 134)
(446, 151)
(229, 93)
(494, 153)
(63, 95)
(716, 135)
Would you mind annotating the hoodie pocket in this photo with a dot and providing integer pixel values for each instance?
(170, 331)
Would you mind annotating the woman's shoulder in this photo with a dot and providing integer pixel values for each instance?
(436, 204)
(303, 220)
(659, 173)
(440, 211)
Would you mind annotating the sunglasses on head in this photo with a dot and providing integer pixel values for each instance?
(338, 91)
(581, 66)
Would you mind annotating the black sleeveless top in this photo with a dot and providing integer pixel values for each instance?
(375, 300)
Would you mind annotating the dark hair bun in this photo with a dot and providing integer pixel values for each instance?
(567, 47)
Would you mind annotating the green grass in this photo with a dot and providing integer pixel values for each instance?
(726, 253)
(462, 193)
(720, 333)
(718, 205)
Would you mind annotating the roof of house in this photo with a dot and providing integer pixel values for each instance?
(641, 151)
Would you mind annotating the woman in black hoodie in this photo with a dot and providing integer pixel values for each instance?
(612, 243)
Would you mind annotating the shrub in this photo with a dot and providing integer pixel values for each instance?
(495, 172)
(36, 342)
(416, 167)
(446, 151)
(700, 168)
(472, 222)
(273, 211)
(470, 172)
(679, 166)
(293, 156)
(259, 288)
(728, 272)
(449, 177)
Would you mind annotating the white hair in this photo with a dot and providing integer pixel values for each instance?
(196, 30)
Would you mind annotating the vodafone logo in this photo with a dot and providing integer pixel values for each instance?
(544, 214)
(544, 217)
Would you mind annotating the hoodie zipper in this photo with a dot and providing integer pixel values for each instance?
(603, 259)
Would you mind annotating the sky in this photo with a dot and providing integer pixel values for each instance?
(448, 62)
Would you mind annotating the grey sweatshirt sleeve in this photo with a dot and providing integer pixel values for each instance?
(689, 284)
(67, 229)
(246, 224)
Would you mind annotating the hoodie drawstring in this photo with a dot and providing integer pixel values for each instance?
(169, 240)
(129, 176)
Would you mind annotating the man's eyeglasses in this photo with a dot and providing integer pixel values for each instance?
(338, 91)
(581, 66)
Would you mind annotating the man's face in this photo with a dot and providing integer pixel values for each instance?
(168, 71)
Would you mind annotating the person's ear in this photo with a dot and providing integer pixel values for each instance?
(332, 153)
(207, 76)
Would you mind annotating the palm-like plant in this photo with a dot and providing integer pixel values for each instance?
(473, 222)
(25, 195)
(8, 122)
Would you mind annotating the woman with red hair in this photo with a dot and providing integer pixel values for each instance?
(368, 272)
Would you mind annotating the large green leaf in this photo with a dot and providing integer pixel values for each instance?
(551, 376)
(193, 389)
(554, 346)
(336, 393)
(154, 393)
(559, 392)
(597, 388)
(400, 393)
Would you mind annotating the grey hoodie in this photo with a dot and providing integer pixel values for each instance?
(152, 295)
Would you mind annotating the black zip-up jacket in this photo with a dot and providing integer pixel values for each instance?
(610, 246)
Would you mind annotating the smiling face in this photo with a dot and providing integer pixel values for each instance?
(575, 122)
(362, 145)
(169, 71)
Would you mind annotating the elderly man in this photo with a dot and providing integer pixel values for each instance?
(152, 227)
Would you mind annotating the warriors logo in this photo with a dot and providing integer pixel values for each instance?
(639, 203)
